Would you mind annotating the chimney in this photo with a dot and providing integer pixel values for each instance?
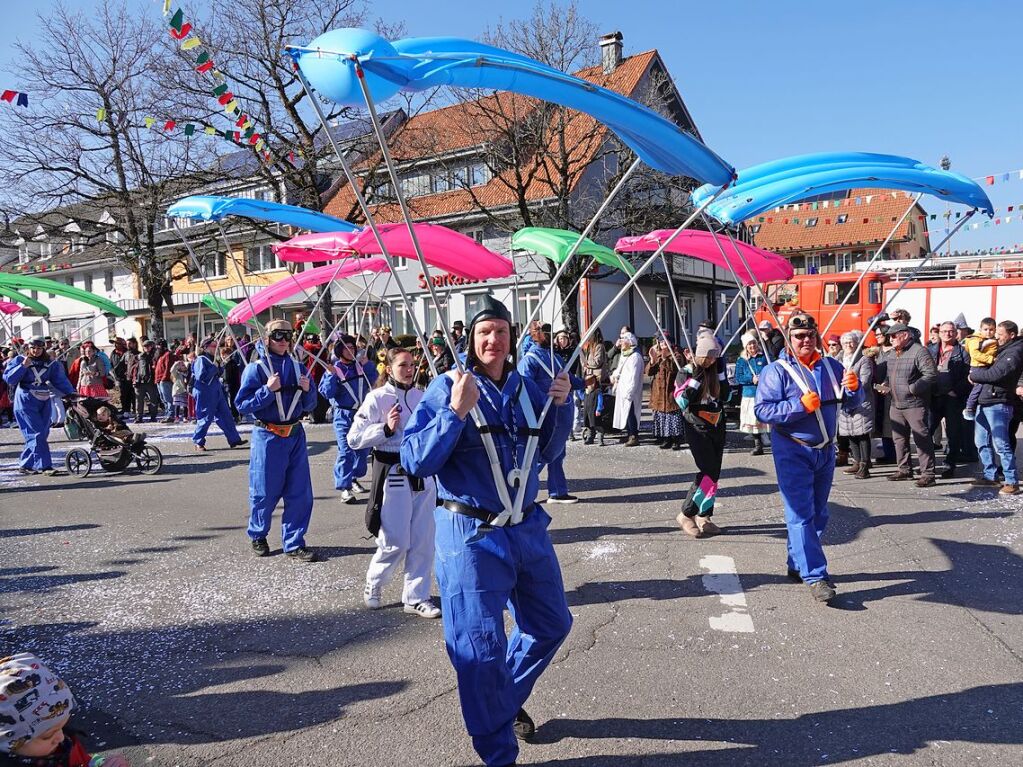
(611, 51)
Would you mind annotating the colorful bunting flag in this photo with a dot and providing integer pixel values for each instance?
(15, 97)
(101, 115)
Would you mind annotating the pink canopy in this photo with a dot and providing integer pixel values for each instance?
(443, 248)
(289, 286)
(695, 244)
(6, 307)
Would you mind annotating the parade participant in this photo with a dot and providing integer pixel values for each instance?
(799, 397)
(210, 398)
(748, 367)
(91, 375)
(31, 375)
(541, 366)
(489, 556)
(627, 381)
(700, 395)
(276, 391)
(35, 707)
(399, 512)
(346, 386)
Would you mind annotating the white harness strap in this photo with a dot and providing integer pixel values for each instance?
(805, 389)
(37, 373)
(268, 369)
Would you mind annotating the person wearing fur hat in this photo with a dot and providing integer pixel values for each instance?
(399, 512)
(35, 707)
(31, 375)
(210, 398)
(627, 383)
(748, 367)
(277, 391)
(799, 395)
(493, 549)
(700, 394)
(346, 386)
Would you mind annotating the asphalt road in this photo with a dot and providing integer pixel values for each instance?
(184, 649)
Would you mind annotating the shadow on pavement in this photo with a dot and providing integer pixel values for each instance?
(656, 589)
(18, 532)
(986, 715)
(596, 532)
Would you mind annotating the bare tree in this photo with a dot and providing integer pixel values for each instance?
(84, 141)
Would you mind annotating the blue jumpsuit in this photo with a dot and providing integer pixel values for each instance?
(346, 386)
(536, 366)
(278, 466)
(805, 473)
(211, 401)
(31, 402)
(483, 570)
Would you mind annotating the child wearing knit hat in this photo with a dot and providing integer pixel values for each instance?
(35, 706)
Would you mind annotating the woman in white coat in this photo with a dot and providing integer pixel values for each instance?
(399, 511)
(627, 381)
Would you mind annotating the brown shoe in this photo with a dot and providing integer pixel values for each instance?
(852, 468)
(863, 472)
(688, 525)
(1009, 490)
(926, 482)
(707, 527)
(632, 441)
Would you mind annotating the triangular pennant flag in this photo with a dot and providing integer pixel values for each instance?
(189, 129)
(101, 115)
(253, 139)
(203, 62)
(190, 43)
(181, 34)
(225, 97)
(177, 19)
(220, 90)
(166, 7)
(209, 130)
(990, 180)
(241, 121)
(291, 157)
(934, 217)
(149, 121)
(9, 96)
(169, 125)
(231, 107)
(22, 99)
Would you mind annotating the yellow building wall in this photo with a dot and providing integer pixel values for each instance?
(235, 263)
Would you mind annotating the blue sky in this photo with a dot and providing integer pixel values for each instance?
(769, 79)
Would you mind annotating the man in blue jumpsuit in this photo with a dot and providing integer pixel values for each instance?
(800, 396)
(277, 392)
(31, 375)
(491, 553)
(346, 386)
(210, 399)
(540, 366)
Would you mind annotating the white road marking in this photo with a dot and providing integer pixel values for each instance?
(723, 579)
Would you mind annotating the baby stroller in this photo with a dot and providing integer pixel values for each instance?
(114, 444)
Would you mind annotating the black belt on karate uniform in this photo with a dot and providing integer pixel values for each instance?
(382, 463)
(471, 511)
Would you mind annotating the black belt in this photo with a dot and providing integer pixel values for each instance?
(471, 511)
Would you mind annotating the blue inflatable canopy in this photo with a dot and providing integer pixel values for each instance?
(416, 64)
(215, 208)
(762, 187)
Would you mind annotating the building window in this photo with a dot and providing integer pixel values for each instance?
(843, 262)
(810, 222)
(23, 253)
(479, 174)
(433, 321)
(261, 259)
(442, 181)
(416, 185)
(402, 321)
(45, 250)
(87, 282)
(473, 304)
(211, 265)
(528, 301)
(842, 218)
(813, 263)
(476, 234)
(108, 280)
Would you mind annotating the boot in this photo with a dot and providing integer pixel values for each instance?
(666, 444)
(689, 526)
(863, 471)
(679, 443)
(588, 438)
(632, 441)
(602, 439)
(852, 468)
(842, 459)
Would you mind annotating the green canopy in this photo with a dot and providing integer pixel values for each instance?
(26, 301)
(43, 285)
(556, 244)
(221, 306)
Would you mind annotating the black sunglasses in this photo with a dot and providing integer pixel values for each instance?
(281, 335)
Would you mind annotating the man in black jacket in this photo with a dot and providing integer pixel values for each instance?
(948, 396)
(910, 375)
(997, 405)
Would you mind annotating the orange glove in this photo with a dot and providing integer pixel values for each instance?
(851, 381)
(810, 401)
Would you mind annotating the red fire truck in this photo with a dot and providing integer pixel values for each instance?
(942, 291)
